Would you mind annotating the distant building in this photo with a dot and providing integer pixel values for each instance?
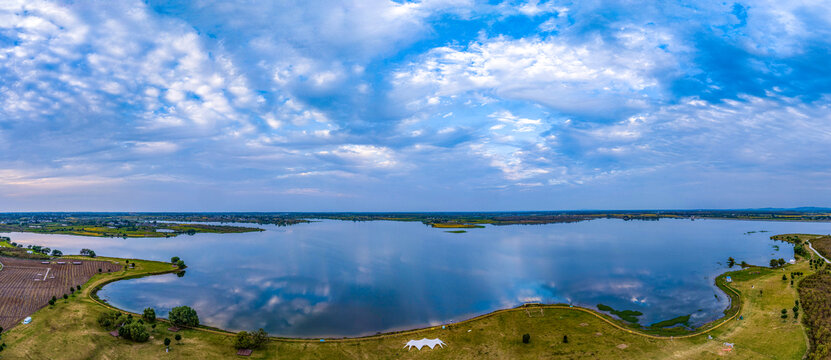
(729, 279)
(792, 261)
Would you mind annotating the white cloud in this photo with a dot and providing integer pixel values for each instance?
(594, 77)
(365, 155)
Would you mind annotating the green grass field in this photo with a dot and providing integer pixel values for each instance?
(69, 330)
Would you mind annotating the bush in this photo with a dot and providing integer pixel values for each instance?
(178, 337)
(166, 341)
(252, 340)
(183, 316)
(526, 338)
(109, 319)
(565, 339)
(242, 340)
(134, 331)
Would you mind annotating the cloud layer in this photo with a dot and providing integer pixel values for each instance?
(413, 105)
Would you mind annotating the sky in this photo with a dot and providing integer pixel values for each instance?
(433, 105)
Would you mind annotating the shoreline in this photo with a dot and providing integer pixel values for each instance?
(91, 292)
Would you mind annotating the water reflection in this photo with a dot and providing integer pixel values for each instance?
(334, 278)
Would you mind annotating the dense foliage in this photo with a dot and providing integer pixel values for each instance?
(815, 299)
(128, 327)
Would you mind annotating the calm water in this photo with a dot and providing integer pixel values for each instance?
(338, 278)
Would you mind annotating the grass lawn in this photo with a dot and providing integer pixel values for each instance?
(69, 330)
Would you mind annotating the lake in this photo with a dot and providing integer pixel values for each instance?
(341, 278)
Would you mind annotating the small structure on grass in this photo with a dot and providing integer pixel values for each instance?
(418, 344)
(173, 329)
(244, 352)
(27, 320)
(728, 279)
(114, 333)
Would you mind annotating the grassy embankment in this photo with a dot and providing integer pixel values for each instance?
(69, 330)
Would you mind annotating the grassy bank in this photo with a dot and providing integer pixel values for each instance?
(69, 330)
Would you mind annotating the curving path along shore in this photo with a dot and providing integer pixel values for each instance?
(91, 290)
(817, 252)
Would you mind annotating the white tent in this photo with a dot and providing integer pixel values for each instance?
(418, 344)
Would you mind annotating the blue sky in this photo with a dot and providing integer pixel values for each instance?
(376, 105)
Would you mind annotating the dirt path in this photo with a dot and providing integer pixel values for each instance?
(817, 252)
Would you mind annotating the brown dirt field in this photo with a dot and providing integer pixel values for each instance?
(27, 285)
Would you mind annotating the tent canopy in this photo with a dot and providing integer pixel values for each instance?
(418, 344)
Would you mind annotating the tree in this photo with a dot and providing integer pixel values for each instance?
(784, 277)
(781, 261)
(744, 264)
(149, 315)
(774, 263)
(166, 341)
(52, 301)
(565, 339)
(178, 338)
(174, 259)
(91, 254)
(526, 338)
(184, 316)
(65, 296)
(731, 262)
(57, 252)
(181, 264)
(258, 338)
(784, 313)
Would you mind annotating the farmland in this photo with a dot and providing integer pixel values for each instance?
(27, 285)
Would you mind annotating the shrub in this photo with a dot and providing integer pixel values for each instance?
(565, 339)
(526, 338)
(242, 340)
(134, 331)
(109, 319)
(166, 341)
(178, 337)
(252, 340)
